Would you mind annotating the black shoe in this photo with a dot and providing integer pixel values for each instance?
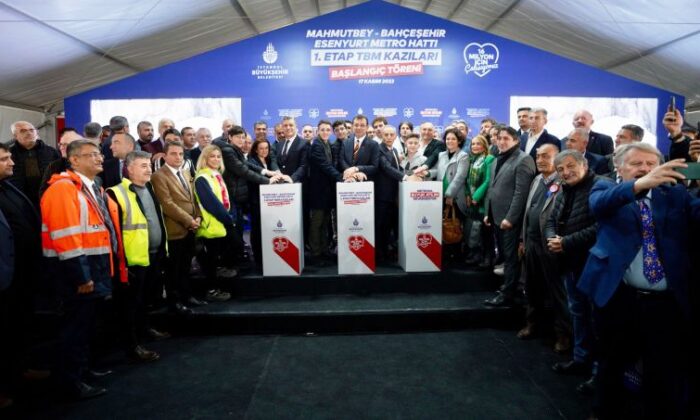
(473, 260)
(181, 309)
(587, 388)
(196, 302)
(140, 355)
(97, 374)
(154, 334)
(572, 367)
(83, 391)
(499, 301)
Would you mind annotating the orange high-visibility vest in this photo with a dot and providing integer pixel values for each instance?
(72, 224)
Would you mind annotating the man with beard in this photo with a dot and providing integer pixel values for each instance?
(145, 133)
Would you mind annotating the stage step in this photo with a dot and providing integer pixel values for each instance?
(387, 279)
(387, 312)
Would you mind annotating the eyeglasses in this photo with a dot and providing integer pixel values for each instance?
(92, 155)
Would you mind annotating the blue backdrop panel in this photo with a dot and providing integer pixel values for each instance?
(379, 58)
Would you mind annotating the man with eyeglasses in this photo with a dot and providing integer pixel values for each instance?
(81, 240)
(31, 156)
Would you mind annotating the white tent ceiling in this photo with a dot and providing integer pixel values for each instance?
(57, 48)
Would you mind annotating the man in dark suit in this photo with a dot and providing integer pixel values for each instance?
(578, 140)
(511, 176)
(541, 279)
(321, 186)
(341, 133)
(115, 169)
(523, 115)
(531, 140)
(20, 257)
(637, 276)
(117, 125)
(292, 152)
(359, 158)
(386, 192)
(598, 143)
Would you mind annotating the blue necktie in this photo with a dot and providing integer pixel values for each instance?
(653, 270)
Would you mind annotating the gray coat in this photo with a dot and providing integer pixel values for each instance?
(457, 170)
(546, 210)
(509, 188)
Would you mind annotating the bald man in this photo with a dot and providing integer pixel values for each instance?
(598, 143)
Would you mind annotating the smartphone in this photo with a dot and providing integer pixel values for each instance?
(672, 107)
(692, 171)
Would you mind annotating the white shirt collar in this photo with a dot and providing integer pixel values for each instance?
(89, 183)
(173, 170)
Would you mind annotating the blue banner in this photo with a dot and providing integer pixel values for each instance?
(378, 58)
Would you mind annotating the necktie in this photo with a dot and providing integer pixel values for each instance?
(105, 214)
(396, 157)
(124, 172)
(184, 184)
(356, 150)
(285, 149)
(653, 270)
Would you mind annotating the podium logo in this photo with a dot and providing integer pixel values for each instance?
(424, 240)
(356, 243)
(355, 222)
(279, 224)
(424, 220)
(480, 58)
(270, 54)
(280, 244)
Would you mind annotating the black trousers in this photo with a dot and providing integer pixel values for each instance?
(652, 326)
(130, 302)
(542, 281)
(508, 241)
(16, 319)
(77, 325)
(177, 269)
(256, 233)
(320, 223)
(386, 225)
(212, 256)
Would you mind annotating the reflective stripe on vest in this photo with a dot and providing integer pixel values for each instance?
(134, 226)
(84, 229)
(210, 227)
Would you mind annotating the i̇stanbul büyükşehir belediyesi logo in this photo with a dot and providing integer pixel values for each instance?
(480, 59)
(270, 55)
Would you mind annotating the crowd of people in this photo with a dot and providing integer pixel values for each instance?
(595, 229)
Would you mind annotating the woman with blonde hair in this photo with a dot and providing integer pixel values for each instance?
(217, 218)
(479, 242)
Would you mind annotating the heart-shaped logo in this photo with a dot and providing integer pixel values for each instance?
(480, 58)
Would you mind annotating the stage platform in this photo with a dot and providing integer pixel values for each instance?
(321, 301)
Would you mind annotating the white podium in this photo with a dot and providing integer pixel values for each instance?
(420, 226)
(355, 208)
(282, 232)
